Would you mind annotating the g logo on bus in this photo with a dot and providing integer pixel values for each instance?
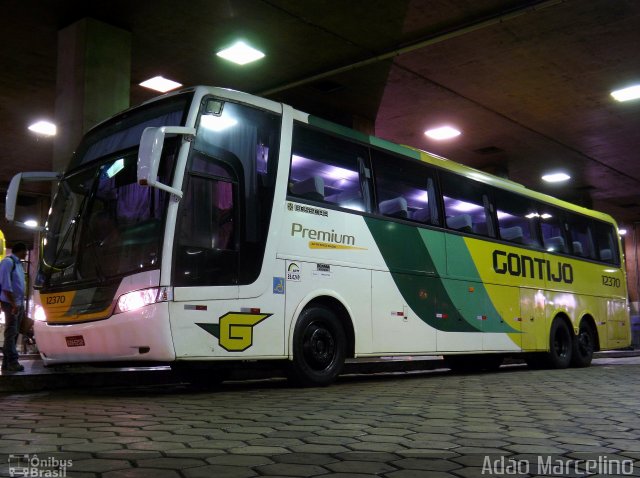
(235, 330)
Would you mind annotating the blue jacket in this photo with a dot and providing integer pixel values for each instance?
(12, 279)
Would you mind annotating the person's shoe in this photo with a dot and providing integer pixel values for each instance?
(13, 367)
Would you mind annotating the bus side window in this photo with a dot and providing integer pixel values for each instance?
(581, 236)
(466, 205)
(327, 169)
(405, 189)
(517, 219)
(606, 243)
(552, 227)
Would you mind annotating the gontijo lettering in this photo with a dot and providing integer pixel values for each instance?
(317, 235)
(524, 266)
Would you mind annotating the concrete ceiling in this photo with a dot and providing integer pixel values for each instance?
(528, 83)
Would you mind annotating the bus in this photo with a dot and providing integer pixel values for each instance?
(212, 227)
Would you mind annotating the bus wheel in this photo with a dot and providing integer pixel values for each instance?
(560, 345)
(583, 346)
(319, 348)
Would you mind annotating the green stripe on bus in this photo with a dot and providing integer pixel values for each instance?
(422, 281)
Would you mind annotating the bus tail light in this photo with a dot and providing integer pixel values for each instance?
(139, 298)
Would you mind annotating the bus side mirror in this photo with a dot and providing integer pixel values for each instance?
(150, 152)
(14, 187)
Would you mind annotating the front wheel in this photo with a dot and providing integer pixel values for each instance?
(584, 345)
(319, 348)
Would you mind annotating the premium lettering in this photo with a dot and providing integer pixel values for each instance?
(318, 235)
(536, 268)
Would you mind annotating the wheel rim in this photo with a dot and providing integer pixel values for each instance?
(319, 346)
(585, 343)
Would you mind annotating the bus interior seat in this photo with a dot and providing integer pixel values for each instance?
(396, 207)
(481, 228)
(422, 215)
(310, 188)
(577, 248)
(555, 244)
(605, 254)
(512, 234)
(460, 223)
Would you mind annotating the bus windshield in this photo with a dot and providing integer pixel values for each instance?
(102, 224)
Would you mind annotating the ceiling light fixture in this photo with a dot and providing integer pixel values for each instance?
(627, 94)
(443, 132)
(31, 223)
(161, 84)
(622, 232)
(44, 128)
(556, 177)
(240, 53)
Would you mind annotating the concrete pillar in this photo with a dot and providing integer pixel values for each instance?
(93, 81)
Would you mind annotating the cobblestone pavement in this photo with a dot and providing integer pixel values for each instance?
(515, 422)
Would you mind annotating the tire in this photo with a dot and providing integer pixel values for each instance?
(319, 348)
(473, 363)
(560, 345)
(584, 344)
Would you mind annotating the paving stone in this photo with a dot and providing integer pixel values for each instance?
(419, 474)
(259, 450)
(99, 465)
(291, 469)
(368, 467)
(240, 460)
(427, 464)
(219, 471)
(172, 463)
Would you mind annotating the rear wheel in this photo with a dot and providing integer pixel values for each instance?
(319, 348)
(560, 345)
(584, 344)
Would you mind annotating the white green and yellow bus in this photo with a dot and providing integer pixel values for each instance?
(210, 226)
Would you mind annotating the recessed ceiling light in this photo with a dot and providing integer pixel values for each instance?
(627, 94)
(622, 232)
(44, 128)
(443, 132)
(160, 84)
(556, 177)
(240, 53)
(31, 223)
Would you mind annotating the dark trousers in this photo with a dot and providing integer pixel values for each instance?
(11, 331)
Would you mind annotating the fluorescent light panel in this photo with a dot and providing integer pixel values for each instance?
(627, 94)
(44, 128)
(443, 132)
(556, 177)
(161, 84)
(240, 53)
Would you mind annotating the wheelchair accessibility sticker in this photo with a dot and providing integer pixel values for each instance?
(278, 285)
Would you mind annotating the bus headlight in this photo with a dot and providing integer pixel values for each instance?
(39, 314)
(139, 298)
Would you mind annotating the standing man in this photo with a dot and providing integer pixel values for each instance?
(12, 301)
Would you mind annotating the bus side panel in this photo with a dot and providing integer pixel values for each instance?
(231, 328)
(350, 286)
(396, 327)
